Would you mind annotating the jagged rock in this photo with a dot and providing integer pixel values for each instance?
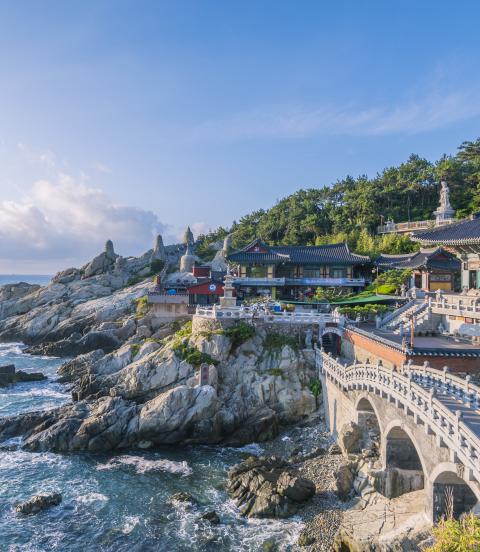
(17, 291)
(260, 426)
(101, 263)
(211, 517)
(8, 375)
(264, 487)
(334, 449)
(38, 503)
(67, 276)
(350, 438)
(180, 497)
(344, 478)
(79, 366)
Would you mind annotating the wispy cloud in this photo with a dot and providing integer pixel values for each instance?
(291, 121)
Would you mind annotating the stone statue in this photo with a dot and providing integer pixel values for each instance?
(109, 250)
(187, 260)
(403, 290)
(445, 210)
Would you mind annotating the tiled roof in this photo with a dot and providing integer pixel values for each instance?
(423, 258)
(465, 232)
(298, 254)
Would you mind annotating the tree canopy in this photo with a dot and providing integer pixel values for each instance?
(351, 209)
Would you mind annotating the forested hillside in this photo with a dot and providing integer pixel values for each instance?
(351, 209)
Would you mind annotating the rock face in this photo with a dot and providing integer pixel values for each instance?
(38, 503)
(265, 487)
(344, 478)
(148, 394)
(350, 438)
(101, 263)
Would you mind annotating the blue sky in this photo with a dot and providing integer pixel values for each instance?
(123, 118)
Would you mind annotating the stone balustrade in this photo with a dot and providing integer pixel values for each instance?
(280, 318)
(420, 400)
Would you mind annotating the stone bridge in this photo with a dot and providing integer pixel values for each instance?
(428, 420)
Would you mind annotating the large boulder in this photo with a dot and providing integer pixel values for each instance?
(266, 487)
(262, 425)
(344, 478)
(38, 503)
(350, 438)
(102, 263)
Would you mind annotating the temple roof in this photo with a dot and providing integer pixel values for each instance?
(435, 257)
(259, 252)
(466, 232)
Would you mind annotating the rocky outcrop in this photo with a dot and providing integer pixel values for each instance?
(344, 478)
(101, 263)
(38, 503)
(8, 375)
(149, 394)
(266, 487)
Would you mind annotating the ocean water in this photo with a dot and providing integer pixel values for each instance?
(41, 279)
(119, 502)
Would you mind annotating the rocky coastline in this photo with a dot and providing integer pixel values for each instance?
(135, 384)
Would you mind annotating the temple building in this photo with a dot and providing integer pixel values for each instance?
(294, 272)
(463, 239)
(432, 269)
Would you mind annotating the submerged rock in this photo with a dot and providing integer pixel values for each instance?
(265, 487)
(38, 503)
(8, 375)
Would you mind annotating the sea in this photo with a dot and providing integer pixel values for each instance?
(41, 279)
(119, 502)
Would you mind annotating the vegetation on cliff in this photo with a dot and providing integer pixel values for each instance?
(351, 209)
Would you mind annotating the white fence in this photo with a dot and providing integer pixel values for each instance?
(252, 313)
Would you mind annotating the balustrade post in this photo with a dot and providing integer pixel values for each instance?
(445, 372)
(458, 417)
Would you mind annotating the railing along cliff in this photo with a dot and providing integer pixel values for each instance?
(413, 398)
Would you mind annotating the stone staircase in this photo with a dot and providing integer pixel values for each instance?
(395, 320)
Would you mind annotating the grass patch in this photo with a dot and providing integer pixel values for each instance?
(276, 342)
(135, 348)
(275, 372)
(141, 308)
(185, 330)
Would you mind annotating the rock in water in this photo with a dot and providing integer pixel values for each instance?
(212, 517)
(38, 503)
(350, 438)
(8, 375)
(265, 487)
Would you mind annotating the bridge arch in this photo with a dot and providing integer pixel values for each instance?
(447, 483)
(331, 339)
(368, 417)
(401, 449)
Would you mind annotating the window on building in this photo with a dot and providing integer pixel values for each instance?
(257, 271)
(312, 272)
(338, 272)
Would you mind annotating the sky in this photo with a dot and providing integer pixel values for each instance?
(122, 119)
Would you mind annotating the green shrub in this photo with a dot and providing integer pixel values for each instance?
(387, 289)
(275, 372)
(239, 333)
(135, 348)
(315, 387)
(185, 330)
(451, 535)
(156, 266)
(141, 306)
(191, 355)
(275, 342)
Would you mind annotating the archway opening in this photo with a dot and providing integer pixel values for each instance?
(451, 496)
(404, 471)
(332, 343)
(368, 422)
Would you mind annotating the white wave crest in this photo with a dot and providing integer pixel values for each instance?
(143, 465)
(91, 498)
(130, 523)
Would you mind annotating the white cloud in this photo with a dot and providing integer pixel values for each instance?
(428, 112)
(64, 222)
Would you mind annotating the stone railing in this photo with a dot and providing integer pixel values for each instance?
(459, 387)
(252, 313)
(413, 225)
(456, 305)
(401, 388)
(392, 315)
(279, 282)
